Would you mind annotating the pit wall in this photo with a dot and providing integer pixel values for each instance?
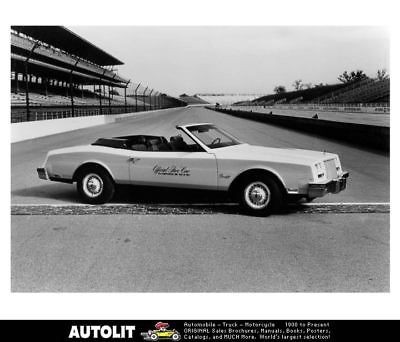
(35, 129)
(377, 137)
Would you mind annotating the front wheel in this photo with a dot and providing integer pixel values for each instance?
(176, 337)
(95, 186)
(260, 196)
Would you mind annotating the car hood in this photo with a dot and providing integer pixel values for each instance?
(289, 155)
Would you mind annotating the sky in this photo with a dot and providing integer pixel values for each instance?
(239, 59)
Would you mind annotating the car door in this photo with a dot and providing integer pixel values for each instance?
(174, 169)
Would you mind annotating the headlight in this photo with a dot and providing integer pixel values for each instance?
(320, 170)
(338, 165)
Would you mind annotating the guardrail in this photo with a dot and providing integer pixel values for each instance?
(336, 107)
(36, 129)
(18, 114)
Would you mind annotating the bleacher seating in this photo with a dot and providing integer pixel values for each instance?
(65, 76)
(368, 91)
(383, 99)
(307, 95)
(296, 100)
(41, 50)
(53, 99)
(193, 99)
(326, 98)
(364, 91)
(227, 99)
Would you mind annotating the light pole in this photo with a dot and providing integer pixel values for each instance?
(126, 86)
(150, 97)
(101, 106)
(162, 100)
(71, 88)
(101, 80)
(27, 81)
(157, 94)
(144, 96)
(136, 96)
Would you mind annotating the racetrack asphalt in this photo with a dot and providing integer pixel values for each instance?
(186, 241)
(197, 253)
(369, 169)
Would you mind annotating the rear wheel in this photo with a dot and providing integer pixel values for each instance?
(95, 186)
(260, 195)
(154, 337)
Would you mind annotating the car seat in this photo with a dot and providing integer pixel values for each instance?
(139, 143)
(177, 143)
(164, 145)
(154, 145)
(139, 147)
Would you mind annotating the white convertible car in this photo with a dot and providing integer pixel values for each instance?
(201, 157)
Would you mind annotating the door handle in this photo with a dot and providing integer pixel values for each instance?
(133, 160)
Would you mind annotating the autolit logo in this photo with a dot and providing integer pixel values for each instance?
(101, 332)
(161, 332)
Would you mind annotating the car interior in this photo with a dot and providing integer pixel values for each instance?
(149, 143)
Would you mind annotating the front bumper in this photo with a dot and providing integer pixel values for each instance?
(332, 186)
(42, 173)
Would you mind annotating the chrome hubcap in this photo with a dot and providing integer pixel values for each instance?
(257, 195)
(92, 185)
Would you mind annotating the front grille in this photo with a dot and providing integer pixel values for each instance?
(331, 172)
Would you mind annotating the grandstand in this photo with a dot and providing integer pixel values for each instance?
(192, 100)
(363, 91)
(56, 74)
(227, 99)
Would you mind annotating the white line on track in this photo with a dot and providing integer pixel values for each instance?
(345, 203)
(327, 204)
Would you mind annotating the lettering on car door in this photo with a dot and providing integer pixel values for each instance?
(172, 168)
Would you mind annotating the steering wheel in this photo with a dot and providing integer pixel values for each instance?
(216, 141)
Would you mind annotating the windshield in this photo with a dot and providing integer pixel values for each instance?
(212, 136)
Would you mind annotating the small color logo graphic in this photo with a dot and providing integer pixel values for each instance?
(161, 332)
